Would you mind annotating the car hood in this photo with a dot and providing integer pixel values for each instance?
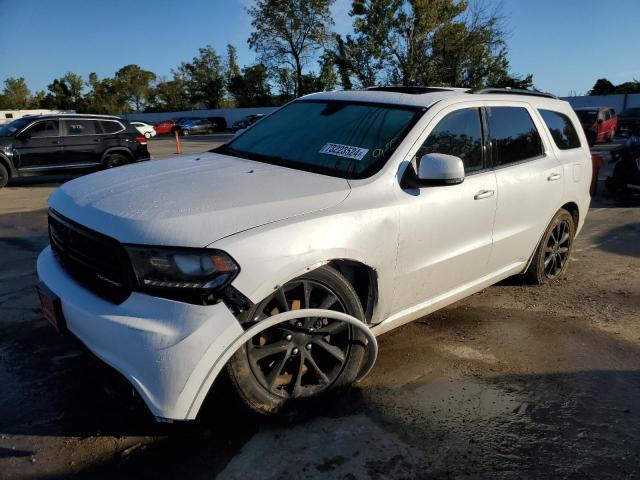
(193, 200)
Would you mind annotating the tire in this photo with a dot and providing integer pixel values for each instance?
(209, 131)
(147, 135)
(551, 257)
(4, 175)
(115, 160)
(186, 132)
(251, 372)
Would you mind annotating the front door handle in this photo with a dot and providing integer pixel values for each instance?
(554, 176)
(483, 194)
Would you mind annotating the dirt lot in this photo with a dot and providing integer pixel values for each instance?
(514, 382)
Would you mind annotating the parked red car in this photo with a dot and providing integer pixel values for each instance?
(599, 123)
(165, 127)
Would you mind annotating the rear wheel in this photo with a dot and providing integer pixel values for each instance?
(4, 175)
(115, 160)
(209, 131)
(289, 363)
(552, 255)
(186, 132)
(147, 135)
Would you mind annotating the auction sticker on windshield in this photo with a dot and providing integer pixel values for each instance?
(347, 151)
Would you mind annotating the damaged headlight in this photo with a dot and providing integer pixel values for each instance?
(178, 273)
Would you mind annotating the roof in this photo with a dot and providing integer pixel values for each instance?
(421, 96)
(71, 115)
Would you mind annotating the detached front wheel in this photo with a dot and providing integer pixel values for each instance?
(293, 361)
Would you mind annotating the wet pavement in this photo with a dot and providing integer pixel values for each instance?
(514, 382)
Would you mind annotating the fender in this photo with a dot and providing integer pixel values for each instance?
(221, 360)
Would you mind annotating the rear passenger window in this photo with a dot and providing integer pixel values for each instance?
(459, 134)
(110, 127)
(562, 130)
(514, 136)
(81, 127)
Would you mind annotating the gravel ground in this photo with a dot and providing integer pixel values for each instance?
(513, 382)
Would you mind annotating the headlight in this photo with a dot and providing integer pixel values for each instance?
(181, 273)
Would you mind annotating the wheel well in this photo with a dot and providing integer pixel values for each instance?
(6, 164)
(364, 280)
(122, 151)
(572, 208)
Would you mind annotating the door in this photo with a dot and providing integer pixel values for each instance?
(445, 232)
(530, 185)
(82, 141)
(38, 147)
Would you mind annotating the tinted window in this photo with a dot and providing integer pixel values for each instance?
(561, 128)
(110, 127)
(458, 134)
(44, 129)
(80, 127)
(345, 139)
(586, 116)
(513, 135)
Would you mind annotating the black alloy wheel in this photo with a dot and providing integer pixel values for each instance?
(305, 356)
(556, 252)
(282, 367)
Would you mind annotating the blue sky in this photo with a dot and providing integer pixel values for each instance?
(566, 44)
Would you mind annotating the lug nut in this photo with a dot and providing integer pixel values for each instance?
(295, 351)
(288, 337)
(308, 346)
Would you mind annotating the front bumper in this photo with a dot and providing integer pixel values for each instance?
(166, 349)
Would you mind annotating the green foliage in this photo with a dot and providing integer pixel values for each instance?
(251, 87)
(15, 95)
(605, 87)
(136, 85)
(204, 79)
(286, 33)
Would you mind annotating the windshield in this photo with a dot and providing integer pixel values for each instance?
(12, 128)
(338, 138)
(631, 112)
(586, 116)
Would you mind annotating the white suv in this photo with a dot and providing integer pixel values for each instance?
(385, 204)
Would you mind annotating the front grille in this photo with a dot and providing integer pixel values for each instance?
(96, 261)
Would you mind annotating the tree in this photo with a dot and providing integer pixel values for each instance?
(428, 42)
(15, 95)
(106, 96)
(170, 96)
(602, 87)
(204, 78)
(287, 34)
(59, 96)
(251, 88)
(628, 87)
(75, 85)
(135, 84)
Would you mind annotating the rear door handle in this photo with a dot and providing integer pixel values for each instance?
(553, 177)
(483, 194)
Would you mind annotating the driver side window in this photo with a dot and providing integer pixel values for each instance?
(48, 128)
(459, 134)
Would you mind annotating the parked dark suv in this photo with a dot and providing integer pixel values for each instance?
(56, 143)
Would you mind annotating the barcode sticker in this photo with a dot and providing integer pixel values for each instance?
(346, 151)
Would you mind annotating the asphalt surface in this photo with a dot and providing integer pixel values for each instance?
(513, 382)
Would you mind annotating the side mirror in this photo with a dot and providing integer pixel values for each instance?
(440, 169)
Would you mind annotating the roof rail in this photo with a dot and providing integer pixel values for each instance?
(415, 90)
(512, 91)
